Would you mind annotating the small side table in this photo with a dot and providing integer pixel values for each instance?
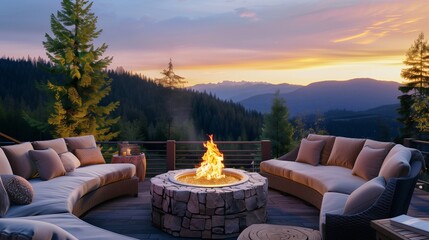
(138, 160)
(270, 231)
(386, 231)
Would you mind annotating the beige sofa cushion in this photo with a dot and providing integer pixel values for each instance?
(368, 162)
(59, 145)
(365, 196)
(4, 200)
(310, 151)
(20, 160)
(379, 145)
(87, 141)
(89, 156)
(70, 161)
(345, 151)
(5, 167)
(22, 229)
(106, 173)
(48, 163)
(397, 164)
(326, 151)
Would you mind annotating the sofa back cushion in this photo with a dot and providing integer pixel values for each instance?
(368, 162)
(20, 160)
(74, 143)
(5, 167)
(89, 156)
(48, 163)
(327, 148)
(365, 196)
(345, 151)
(379, 145)
(309, 151)
(4, 200)
(396, 164)
(59, 145)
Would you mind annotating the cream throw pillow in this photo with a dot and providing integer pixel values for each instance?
(310, 151)
(70, 161)
(365, 196)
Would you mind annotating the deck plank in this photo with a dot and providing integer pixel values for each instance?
(131, 216)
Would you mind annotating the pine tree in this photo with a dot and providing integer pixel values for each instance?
(277, 127)
(416, 89)
(170, 79)
(77, 109)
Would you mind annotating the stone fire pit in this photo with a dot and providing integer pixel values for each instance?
(204, 212)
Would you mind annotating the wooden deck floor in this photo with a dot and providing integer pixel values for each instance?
(131, 216)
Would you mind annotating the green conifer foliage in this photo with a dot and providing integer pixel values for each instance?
(415, 91)
(277, 127)
(77, 109)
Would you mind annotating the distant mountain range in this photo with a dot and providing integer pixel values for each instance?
(238, 91)
(358, 94)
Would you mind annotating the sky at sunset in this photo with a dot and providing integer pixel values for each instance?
(277, 41)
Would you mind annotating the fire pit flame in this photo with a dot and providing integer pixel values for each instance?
(212, 165)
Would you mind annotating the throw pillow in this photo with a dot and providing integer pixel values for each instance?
(396, 165)
(345, 151)
(20, 160)
(48, 163)
(59, 145)
(327, 149)
(5, 167)
(368, 162)
(309, 151)
(365, 196)
(89, 156)
(18, 189)
(4, 200)
(70, 161)
(74, 143)
(23, 229)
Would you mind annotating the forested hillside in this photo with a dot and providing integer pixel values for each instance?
(148, 111)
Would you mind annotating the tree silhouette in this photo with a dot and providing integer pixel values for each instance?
(170, 79)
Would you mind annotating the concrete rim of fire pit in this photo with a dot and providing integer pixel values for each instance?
(227, 171)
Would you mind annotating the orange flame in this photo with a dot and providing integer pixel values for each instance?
(212, 164)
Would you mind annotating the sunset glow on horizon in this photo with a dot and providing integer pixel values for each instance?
(276, 41)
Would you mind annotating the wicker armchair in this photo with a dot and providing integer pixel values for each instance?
(394, 201)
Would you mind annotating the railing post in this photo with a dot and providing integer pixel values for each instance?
(265, 150)
(171, 154)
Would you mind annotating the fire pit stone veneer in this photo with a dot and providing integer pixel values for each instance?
(204, 212)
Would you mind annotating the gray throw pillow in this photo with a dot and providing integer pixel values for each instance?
(70, 161)
(19, 190)
(59, 145)
(48, 163)
(368, 162)
(310, 151)
(20, 160)
(365, 196)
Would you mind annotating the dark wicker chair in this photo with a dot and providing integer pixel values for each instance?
(393, 202)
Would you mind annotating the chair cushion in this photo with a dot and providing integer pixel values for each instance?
(20, 160)
(327, 149)
(368, 162)
(87, 141)
(70, 161)
(89, 156)
(59, 145)
(48, 163)
(365, 196)
(5, 167)
(397, 165)
(19, 190)
(345, 151)
(309, 151)
(106, 173)
(4, 200)
(22, 229)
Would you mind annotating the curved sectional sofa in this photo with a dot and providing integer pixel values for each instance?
(352, 181)
(59, 196)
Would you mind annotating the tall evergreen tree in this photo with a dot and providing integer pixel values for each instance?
(277, 127)
(77, 109)
(171, 79)
(416, 89)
